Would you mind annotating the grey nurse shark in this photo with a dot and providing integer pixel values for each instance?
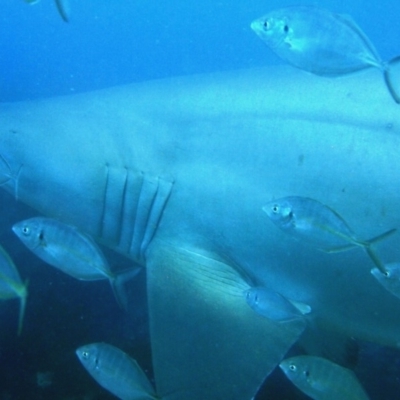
(174, 174)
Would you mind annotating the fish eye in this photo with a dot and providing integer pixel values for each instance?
(26, 230)
(256, 299)
(292, 367)
(275, 209)
(85, 355)
(387, 274)
(266, 25)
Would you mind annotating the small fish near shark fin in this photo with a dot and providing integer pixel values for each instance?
(206, 341)
(116, 371)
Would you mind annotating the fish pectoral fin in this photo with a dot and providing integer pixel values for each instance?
(206, 341)
(339, 249)
(371, 252)
(382, 236)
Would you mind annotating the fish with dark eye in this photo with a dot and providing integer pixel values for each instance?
(71, 251)
(115, 371)
(273, 305)
(309, 220)
(322, 379)
(322, 42)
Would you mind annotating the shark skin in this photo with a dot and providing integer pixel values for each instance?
(174, 174)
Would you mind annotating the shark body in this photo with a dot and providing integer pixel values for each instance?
(174, 174)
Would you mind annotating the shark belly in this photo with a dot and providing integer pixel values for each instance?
(173, 174)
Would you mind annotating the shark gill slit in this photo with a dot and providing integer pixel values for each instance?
(103, 211)
(164, 189)
(133, 204)
(123, 206)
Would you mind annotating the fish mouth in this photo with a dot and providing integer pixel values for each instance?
(255, 25)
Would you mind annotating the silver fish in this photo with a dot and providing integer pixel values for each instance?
(316, 223)
(273, 305)
(74, 253)
(322, 379)
(11, 285)
(321, 42)
(390, 278)
(115, 371)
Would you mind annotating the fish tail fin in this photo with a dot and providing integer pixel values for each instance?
(10, 176)
(371, 252)
(118, 286)
(63, 9)
(22, 306)
(392, 79)
(381, 237)
(374, 257)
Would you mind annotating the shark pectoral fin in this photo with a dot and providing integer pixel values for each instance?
(207, 343)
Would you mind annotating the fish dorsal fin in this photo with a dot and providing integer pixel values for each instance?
(204, 335)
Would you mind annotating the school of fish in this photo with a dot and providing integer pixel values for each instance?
(76, 254)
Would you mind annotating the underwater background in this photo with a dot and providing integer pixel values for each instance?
(109, 43)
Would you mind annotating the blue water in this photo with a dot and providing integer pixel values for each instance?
(109, 43)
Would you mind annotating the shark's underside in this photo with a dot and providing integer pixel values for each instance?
(174, 174)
